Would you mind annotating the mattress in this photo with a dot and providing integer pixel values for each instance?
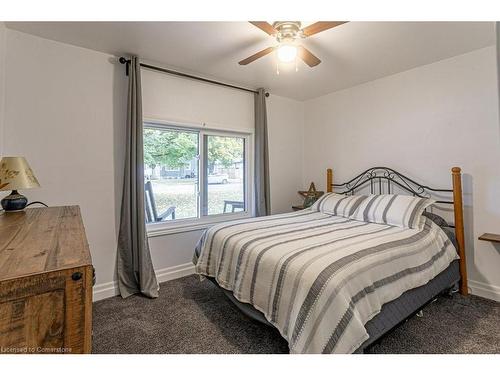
(318, 278)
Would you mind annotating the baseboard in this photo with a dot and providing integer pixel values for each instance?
(176, 272)
(484, 290)
(110, 289)
(105, 290)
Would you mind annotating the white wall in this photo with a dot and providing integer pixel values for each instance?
(64, 107)
(285, 119)
(421, 122)
(2, 81)
(65, 111)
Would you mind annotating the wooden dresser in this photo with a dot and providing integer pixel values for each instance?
(45, 282)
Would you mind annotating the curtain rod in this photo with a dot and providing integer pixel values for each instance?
(123, 60)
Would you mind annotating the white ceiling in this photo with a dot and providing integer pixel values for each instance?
(351, 54)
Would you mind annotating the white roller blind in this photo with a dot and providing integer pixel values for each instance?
(175, 99)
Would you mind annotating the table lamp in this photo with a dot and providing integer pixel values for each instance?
(15, 173)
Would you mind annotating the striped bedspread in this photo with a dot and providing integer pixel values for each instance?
(319, 278)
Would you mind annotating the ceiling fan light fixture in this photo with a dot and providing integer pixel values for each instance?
(287, 33)
(287, 53)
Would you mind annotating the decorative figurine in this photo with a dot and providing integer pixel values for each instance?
(311, 195)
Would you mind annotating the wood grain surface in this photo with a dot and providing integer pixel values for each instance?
(45, 282)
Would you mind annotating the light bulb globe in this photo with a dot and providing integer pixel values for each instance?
(287, 53)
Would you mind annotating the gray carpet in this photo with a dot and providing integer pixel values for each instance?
(195, 317)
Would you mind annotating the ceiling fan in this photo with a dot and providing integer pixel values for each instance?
(287, 33)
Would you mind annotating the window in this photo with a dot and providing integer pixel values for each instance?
(175, 189)
(225, 180)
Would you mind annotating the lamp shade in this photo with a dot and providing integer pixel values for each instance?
(15, 173)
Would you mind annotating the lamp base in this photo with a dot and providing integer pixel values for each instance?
(14, 202)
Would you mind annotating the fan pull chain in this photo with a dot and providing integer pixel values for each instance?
(277, 68)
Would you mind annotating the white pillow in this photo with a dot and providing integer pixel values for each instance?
(393, 209)
(338, 204)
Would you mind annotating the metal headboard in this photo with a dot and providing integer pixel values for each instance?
(382, 181)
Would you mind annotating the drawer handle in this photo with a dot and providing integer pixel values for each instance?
(76, 276)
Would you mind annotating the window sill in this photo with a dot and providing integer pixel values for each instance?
(182, 226)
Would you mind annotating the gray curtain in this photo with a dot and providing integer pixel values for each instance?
(135, 269)
(261, 165)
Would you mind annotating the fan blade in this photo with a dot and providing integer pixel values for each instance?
(307, 56)
(320, 26)
(264, 26)
(257, 55)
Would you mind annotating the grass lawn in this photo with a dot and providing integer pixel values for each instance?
(183, 195)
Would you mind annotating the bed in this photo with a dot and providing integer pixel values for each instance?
(329, 281)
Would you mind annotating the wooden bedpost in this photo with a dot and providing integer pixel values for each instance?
(329, 180)
(459, 226)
